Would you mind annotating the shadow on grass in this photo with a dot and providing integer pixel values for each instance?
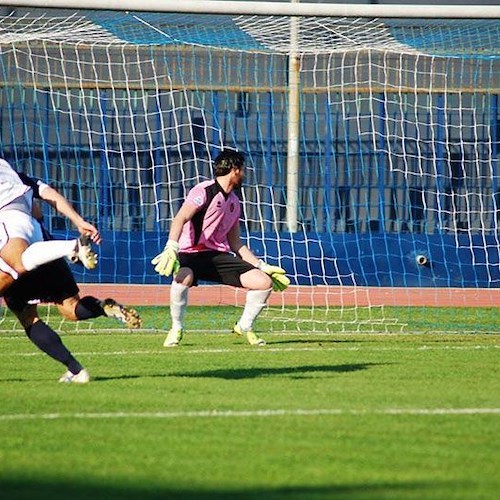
(293, 371)
(317, 341)
(28, 490)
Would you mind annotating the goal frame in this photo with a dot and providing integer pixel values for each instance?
(358, 296)
(269, 9)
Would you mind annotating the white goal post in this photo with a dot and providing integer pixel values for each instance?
(371, 132)
(271, 8)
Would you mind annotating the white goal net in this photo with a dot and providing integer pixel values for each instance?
(385, 215)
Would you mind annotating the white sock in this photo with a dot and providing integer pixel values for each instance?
(178, 304)
(42, 252)
(255, 302)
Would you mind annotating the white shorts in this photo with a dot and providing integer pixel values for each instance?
(5, 268)
(18, 224)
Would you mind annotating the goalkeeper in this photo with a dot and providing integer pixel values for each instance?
(204, 244)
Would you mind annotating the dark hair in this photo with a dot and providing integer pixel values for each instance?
(226, 161)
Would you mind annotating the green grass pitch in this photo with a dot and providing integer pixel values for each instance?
(309, 416)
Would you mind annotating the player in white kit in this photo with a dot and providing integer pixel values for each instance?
(22, 247)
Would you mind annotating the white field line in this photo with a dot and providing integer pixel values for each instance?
(264, 350)
(250, 413)
(15, 333)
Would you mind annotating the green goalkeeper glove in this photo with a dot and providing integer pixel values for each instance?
(278, 276)
(167, 262)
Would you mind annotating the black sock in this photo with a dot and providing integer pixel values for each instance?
(50, 343)
(88, 307)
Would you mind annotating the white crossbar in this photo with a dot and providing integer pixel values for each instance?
(271, 8)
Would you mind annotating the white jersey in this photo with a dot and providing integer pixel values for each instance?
(11, 185)
(17, 191)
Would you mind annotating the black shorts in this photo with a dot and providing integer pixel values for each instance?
(217, 267)
(52, 282)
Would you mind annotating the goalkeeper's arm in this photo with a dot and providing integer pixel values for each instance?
(277, 274)
(167, 261)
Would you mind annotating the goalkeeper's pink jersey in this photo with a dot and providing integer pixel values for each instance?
(217, 213)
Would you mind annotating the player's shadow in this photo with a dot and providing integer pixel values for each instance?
(93, 379)
(295, 372)
(124, 377)
(306, 371)
(62, 488)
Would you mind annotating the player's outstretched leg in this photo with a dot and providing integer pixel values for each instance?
(128, 316)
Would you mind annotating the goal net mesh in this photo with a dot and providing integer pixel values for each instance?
(397, 224)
